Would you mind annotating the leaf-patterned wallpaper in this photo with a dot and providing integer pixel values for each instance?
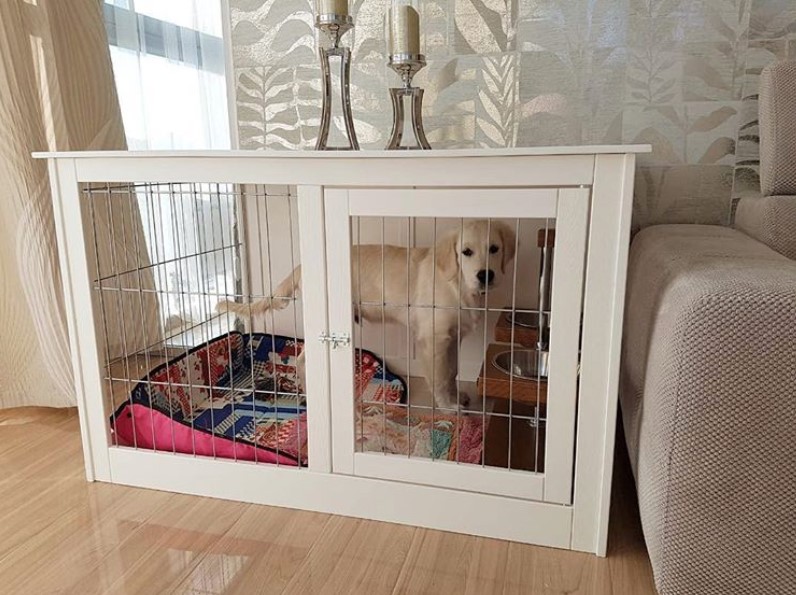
(679, 74)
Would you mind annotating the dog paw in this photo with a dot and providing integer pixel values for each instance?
(471, 405)
(462, 403)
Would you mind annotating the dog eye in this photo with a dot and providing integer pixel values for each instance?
(493, 249)
(467, 252)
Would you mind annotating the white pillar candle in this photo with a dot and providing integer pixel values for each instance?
(405, 31)
(333, 7)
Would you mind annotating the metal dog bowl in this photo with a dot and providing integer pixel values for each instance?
(526, 319)
(527, 363)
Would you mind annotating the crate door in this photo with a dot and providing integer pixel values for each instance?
(434, 297)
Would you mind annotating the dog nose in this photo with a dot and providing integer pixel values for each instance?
(486, 276)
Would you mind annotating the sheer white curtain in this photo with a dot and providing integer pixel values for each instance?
(169, 64)
(57, 93)
(168, 59)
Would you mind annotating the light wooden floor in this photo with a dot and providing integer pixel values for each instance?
(59, 534)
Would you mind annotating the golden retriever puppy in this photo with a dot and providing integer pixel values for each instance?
(436, 285)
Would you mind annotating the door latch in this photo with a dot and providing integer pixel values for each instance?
(335, 339)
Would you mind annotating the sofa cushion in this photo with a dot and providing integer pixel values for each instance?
(771, 220)
(778, 129)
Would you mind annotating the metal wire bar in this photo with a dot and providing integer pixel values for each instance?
(123, 188)
(483, 309)
(231, 370)
(120, 303)
(295, 331)
(273, 319)
(200, 246)
(358, 314)
(433, 341)
(164, 342)
(171, 383)
(256, 296)
(179, 250)
(174, 260)
(459, 279)
(383, 341)
(180, 310)
(166, 292)
(267, 192)
(540, 341)
(492, 415)
(157, 222)
(261, 260)
(408, 331)
(144, 322)
(158, 247)
(230, 363)
(159, 187)
(511, 363)
(243, 237)
(485, 343)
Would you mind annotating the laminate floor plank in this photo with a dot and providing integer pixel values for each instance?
(60, 534)
(354, 556)
(261, 553)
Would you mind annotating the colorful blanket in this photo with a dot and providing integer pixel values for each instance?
(237, 397)
(397, 429)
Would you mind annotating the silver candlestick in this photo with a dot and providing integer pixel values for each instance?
(335, 26)
(407, 66)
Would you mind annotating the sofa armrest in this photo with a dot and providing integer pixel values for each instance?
(709, 408)
(770, 220)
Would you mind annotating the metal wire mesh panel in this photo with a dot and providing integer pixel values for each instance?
(202, 346)
(452, 327)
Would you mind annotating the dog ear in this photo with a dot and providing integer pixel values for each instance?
(509, 239)
(446, 258)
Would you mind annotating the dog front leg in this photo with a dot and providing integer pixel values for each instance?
(440, 356)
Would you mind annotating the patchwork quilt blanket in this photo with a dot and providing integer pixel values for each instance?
(238, 397)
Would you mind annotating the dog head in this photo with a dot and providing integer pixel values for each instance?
(477, 255)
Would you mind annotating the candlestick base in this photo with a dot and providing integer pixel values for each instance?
(407, 66)
(335, 26)
(398, 110)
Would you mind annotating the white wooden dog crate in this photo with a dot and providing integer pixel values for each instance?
(150, 243)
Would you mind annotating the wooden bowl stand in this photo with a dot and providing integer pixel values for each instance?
(494, 382)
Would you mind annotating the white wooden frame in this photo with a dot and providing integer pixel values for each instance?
(604, 172)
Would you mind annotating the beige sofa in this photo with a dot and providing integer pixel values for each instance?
(708, 382)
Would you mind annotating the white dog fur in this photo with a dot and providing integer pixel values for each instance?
(458, 271)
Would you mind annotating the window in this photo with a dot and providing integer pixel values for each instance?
(169, 65)
(168, 61)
